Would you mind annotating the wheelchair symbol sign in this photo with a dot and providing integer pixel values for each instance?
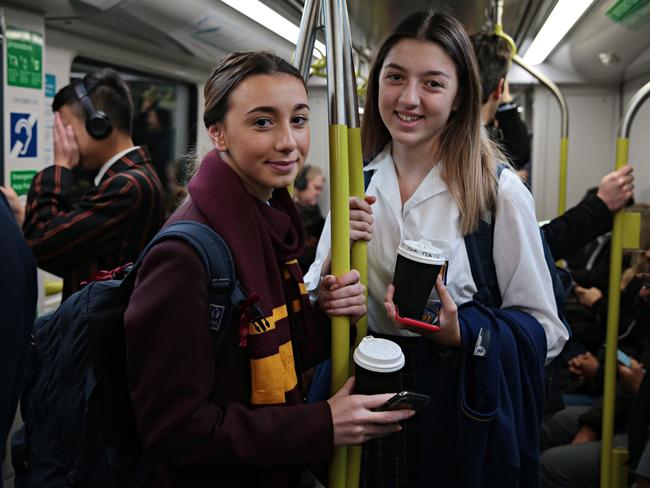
(24, 135)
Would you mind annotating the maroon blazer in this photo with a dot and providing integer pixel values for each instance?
(108, 227)
(192, 407)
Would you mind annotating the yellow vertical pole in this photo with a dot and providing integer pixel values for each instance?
(607, 454)
(359, 258)
(564, 155)
(609, 394)
(340, 193)
(620, 458)
(359, 248)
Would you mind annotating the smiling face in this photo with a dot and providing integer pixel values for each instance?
(418, 85)
(264, 136)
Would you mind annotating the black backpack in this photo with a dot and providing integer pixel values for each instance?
(79, 429)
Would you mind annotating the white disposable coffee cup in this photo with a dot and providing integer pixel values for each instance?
(378, 362)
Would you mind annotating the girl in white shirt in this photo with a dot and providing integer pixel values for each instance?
(434, 177)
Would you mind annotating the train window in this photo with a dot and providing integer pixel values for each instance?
(164, 112)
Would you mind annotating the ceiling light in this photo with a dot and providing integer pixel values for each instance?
(608, 59)
(565, 14)
(273, 21)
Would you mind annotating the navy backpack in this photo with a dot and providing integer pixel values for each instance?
(79, 429)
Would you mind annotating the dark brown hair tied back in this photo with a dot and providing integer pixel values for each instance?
(232, 70)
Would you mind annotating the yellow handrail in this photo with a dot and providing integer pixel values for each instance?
(339, 191)
(609, 394)
(564, 139)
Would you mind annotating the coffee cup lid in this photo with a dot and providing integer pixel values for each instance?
(421, 251)
(379, 355)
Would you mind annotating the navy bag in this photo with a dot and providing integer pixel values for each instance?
(79, 428)
(479, 245)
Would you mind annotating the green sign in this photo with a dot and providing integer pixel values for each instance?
(24, 58)
(21, 180)
(629, 11)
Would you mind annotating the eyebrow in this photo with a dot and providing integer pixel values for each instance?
(273, 110)
(431, 72)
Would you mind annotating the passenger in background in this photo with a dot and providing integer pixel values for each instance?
(306, 190)
(516, 136)
(571, 439)
(593, 215)
(177, 176)
(434, 175)
(114, 220)
(153, 129)
(235, 417)
(493, 56)
(18, 309)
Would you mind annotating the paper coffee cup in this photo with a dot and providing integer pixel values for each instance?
(378, 362)
(418, 265)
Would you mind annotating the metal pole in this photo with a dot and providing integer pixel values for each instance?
(614, 300)
(307, 37)
(340, 193)
(564, 140)
(359, 255)
(355, 155)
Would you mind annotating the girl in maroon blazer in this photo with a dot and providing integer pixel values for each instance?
(236, 418)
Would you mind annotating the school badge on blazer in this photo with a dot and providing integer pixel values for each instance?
(216, 316)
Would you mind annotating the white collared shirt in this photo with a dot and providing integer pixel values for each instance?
(110, 163)
(432, 213)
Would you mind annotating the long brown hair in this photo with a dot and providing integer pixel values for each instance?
(467, 154)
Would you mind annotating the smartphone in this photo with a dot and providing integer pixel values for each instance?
(405, 399)
(623, 358)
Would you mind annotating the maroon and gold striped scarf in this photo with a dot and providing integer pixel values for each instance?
(265, 240)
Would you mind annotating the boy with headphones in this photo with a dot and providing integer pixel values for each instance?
(114, 220)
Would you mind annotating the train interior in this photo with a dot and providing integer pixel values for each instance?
(166, 49)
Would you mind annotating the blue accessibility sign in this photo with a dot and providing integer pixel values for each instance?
(24, 135)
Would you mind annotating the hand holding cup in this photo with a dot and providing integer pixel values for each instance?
(449, 333)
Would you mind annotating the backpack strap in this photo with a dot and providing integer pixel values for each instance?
(225, 291)
(367, 176)
(479, 245)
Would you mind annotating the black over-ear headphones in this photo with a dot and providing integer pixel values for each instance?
(98, 125)
(300, 183)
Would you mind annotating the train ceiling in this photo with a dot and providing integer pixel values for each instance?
(600, 49)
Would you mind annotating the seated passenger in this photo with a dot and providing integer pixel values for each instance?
(306, 190)
(571, 438)
(236, 417)
(639, 425)
(587, 309)
(113, 221)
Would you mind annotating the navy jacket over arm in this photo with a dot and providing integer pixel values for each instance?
(18, 307)
(501, 397)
